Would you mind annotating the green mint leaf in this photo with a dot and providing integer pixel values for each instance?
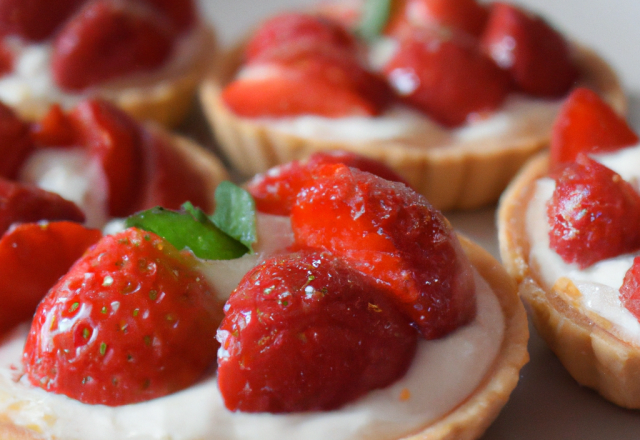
(189, 229)
(235, 213)
(375, 14)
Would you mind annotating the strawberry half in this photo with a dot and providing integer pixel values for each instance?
(35, 20)
(586, 124)
(304, 332)
(630, 290)
(33, 256)
(594, 214)
(15, 142)
(131, 321)
(445, 75)
(106, 40)
(276, 190)
(391, 233)
(536, 55)
(464, 15)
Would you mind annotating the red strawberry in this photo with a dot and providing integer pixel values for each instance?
(169, 178)
(587, 124)
(275, 191)
(6, 59)
(35, 19)
(303, 332)
(445, 75)
(111, 135)
(131, 321)
(15, 142)
(392, 234)
(464, 15)
(22, 203)
(181, 13)
(307, 84)
(33, 256)
(630, 290)
(594, 214)
(107, 40)
(54, 129)
(535, 54)
(298, 33)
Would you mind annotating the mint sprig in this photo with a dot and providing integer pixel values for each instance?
(375, 14)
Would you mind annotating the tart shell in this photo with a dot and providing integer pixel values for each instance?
(472, 416)
(451, 178)
(584, 343)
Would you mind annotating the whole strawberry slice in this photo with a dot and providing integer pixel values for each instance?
(106, 40)
(276, 190)
(464, 15)
(391, 233)
(536, 55)
(303, 332)
(32, 258)
(630, 290)
(22, 203)
(132, 320)
(586, 123)
(594, 214)
(35, 19)
(444, 74)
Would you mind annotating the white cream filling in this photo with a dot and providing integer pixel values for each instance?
(599, 284)
(31, 82)
(443, 373)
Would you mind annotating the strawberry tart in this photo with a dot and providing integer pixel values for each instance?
(568, 231)
(335, 303)
(453, 95)
(146, 56)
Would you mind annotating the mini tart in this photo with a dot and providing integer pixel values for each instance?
(452, 176)
(164, 97)
(472, 416)
(583, 342)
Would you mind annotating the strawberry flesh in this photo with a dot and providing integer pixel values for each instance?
(593, 213)
(132, 320)
(304, 332)
(630, 290)
(535, 54)
(15, 142)
(33, 256)
(587, 124)
(35, 20)
(107, 40)
(445, 75)
(275, 191)
(389, 232)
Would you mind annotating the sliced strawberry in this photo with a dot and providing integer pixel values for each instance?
(276, 190)
(536, 55)
(464, 15)
(131, 321)
(392, 234)
(303, 332)
(32, 258)
(445, 75)
(630, 290)
(111, 135)
(15, 142)
(181, 13)
(593, 214)
(299, 33)
(27, 203)
(35, 19)
(586, 123)
(7, 59)
(314, 84)
(54, 129)
(169, 178)
(107, 40)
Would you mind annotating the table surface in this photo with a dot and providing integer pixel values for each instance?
(548, 403)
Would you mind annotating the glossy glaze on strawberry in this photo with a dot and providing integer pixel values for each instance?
(131, 321)
(97, 41)
(448, 61)
(309, 334)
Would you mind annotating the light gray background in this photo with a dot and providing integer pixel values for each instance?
(547, 404)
